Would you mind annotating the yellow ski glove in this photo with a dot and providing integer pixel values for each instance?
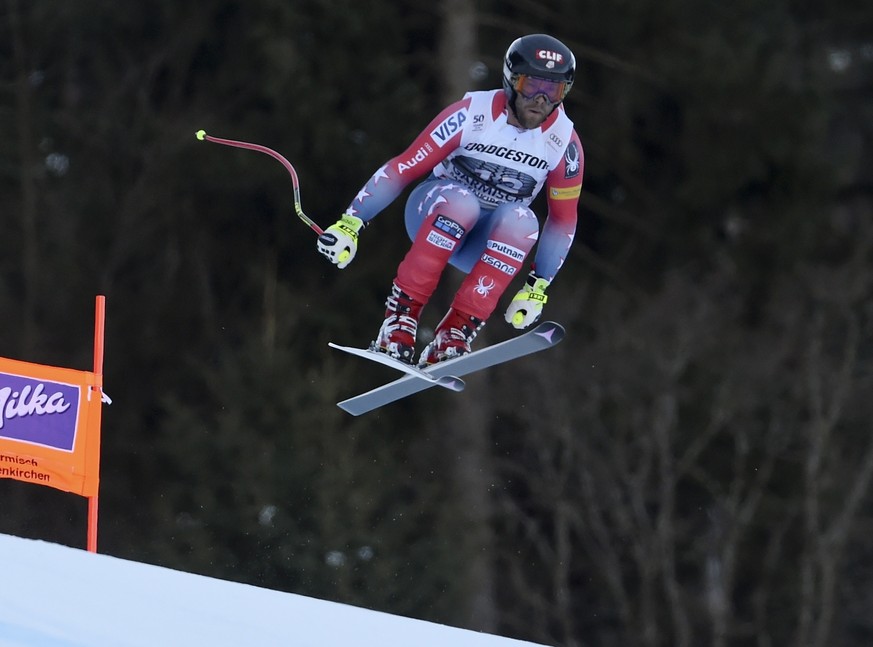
(527, 305)
(339, 242)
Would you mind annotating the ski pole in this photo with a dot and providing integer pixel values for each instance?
(298, 209)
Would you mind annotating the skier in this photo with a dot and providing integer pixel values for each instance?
(486, 158)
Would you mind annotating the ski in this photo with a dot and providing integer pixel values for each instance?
(450, 382)
(545, 335)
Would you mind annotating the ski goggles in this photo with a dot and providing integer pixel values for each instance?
(532, 86)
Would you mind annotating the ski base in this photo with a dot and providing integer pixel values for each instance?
(451, 382)
(545, 335)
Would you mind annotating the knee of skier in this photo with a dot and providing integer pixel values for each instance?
(457, 205)
(461, 208)
(515, 225)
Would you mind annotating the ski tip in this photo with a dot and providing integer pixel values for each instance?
(452, 383)
(551, 331)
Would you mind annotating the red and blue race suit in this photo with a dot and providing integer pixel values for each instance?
(473, 208)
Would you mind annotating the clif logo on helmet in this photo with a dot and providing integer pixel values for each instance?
(550, 56)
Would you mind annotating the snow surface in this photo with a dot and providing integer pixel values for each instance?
(56, 596)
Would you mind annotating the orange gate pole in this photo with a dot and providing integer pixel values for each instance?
(99, 327)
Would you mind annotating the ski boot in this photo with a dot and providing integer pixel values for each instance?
(396, 337)
(453, 337)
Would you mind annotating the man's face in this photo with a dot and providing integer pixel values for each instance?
(532, 112)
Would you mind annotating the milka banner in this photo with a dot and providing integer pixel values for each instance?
(50, 426)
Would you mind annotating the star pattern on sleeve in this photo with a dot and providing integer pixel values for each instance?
(380, 174)
(362, 194)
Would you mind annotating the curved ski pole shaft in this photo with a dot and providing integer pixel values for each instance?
(298, 208)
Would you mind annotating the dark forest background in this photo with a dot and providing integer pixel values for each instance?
(692, 466)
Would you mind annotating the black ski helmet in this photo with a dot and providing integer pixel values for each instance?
(541, 56)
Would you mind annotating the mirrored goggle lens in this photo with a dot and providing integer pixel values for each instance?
(531, 86)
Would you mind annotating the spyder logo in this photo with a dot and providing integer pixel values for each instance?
(483, 289)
